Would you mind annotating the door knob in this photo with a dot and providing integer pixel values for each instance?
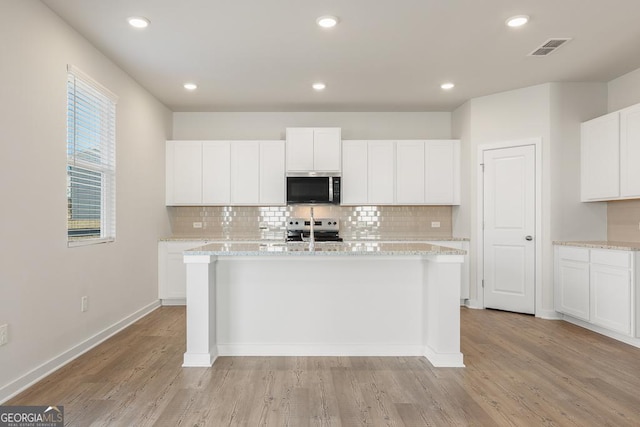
(529, 238)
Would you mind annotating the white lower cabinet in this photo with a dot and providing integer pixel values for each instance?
(172, 272)
(611, 290)
(572, 282)
(597, 286)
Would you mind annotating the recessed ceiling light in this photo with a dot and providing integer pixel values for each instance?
(138, 22)
(190, 86)
(319, 86)
(447, 86)
(517, 21)
(327, 21)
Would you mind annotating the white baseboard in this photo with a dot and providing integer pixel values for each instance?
(320, 349)
(548, 314)
(22, 383)
(443, 360)
(615, 335)
(173, 301)
(473, 304)
(204, 360)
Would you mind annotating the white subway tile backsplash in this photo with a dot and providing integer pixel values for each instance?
(251, 222)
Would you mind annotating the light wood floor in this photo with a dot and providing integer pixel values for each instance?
(521, 371)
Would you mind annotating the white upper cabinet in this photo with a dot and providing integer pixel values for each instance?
(600, 158)
(368, 172)
(355, 186)
(630, 152)
(410, 173)
(183, 172)
(610, 153)
(313, 149)
(272, 176)
(216, 172)
(442, 172)
(405, 172)
(245, 172)
(225, 173)
(381, 172)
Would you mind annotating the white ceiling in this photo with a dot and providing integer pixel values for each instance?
(385, 55)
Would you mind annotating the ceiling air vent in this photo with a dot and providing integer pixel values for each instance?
(549, 47)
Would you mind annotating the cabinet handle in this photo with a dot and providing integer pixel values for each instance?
(529, 238)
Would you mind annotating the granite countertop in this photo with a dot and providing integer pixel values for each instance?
(602, 244)
(323, 248)
(359, 239)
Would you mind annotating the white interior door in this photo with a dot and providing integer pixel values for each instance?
(509, 225)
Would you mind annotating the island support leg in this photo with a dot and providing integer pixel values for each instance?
(201, 311)
(441, 310)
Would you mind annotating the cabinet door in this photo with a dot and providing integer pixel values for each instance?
(600, 158)
(442, 172)
(216, 172)
(183, 173)
(381, 172)
(572, 283)
(611, 297)
(245, 172)
(326, 149)
(410, 172)
(272, 173)
(299, 149)
(354, 183)
(630, 152)
(172, 272)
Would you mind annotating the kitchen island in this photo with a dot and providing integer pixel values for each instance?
(340, 299)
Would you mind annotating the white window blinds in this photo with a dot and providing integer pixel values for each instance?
(91, 161)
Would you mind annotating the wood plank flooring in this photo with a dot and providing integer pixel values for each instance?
(521, 371)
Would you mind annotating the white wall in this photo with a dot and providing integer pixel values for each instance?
(41, 280)
(624, 91)
(461, 129)
(571, 104)
(503, 117)
(272, 125)
(552, 112)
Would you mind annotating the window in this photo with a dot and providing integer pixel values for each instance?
(91, 162)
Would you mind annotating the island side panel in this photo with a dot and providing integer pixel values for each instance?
(346, 305)
(201, 316)
(441, 312)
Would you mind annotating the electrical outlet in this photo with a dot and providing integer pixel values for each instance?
(197, 225)
(4, 334)
(435, 224)
(84, 304)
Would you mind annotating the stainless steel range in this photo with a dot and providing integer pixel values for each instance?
(324, 230)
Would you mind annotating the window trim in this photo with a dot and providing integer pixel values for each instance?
(106, 166)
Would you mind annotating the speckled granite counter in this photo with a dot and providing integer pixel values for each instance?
(323, 248)
(602, 244)
(412, 239)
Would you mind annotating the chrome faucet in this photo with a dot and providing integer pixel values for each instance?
(312, 239)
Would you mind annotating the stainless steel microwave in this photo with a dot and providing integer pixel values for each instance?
(313, 190)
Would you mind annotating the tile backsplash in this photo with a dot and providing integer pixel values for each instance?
(623, 221)
(356, 222)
